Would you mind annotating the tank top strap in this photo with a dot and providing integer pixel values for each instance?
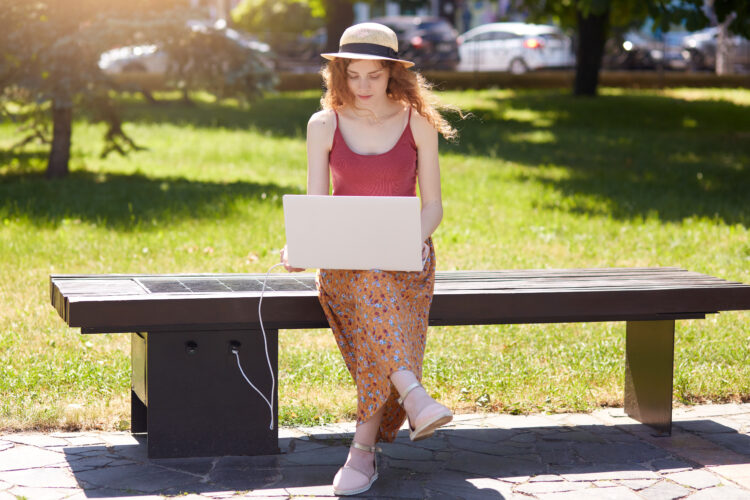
(408, 124)
(407, 130)
(336, 131)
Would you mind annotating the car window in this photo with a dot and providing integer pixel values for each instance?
(483, 37)
(502, 35)
(399, 29)
(468, 38)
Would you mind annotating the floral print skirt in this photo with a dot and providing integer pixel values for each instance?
(379, 320)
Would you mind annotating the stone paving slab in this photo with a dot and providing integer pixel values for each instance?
(737, 473)
(697, 479)
(21, 457)
(637, 484)
(664, 490)
(721, 493)
(42, 493)
(616, 493)
(601, 455)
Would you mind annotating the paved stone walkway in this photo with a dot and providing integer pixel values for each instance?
(603, 455)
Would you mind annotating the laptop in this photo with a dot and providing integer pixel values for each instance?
(353, 232)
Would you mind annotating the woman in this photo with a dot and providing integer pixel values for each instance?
(377, 135)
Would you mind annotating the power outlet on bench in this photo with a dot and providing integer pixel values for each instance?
(234, 346)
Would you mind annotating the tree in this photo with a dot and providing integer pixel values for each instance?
(738, 11)
(49, 54)
(280, 21)
(594, 19)
(339, 16)
(733, 17)
(49, 59)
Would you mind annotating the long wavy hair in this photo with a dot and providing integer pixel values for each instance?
(408, 87)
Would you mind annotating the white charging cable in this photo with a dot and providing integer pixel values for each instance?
(265, 344)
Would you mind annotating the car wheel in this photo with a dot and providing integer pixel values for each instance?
(696, 62)
(518, 67)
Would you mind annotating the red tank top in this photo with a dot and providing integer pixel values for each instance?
(393, 173)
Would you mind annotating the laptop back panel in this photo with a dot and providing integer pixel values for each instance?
(353, 232)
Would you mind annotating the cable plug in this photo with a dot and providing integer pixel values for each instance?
(234, 347)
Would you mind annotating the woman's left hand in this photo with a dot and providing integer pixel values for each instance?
(425, 252)
(285, 260)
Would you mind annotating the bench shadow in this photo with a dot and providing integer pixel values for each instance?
(126, 201)
(467, 463)
(625, 156)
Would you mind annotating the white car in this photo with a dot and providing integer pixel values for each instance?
(514, 47)
(151, 59)
(137, 58)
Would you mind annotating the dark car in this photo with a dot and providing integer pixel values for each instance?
(644, 50)
(430, 42)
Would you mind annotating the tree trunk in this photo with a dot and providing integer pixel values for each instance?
(186, 97)
(62, 126)
(592, 33)
(724, 62)
(339, 16)
(146, 93)
(225, 7)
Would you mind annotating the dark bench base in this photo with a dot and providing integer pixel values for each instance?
(190, 398)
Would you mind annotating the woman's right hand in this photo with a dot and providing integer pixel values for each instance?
(285, 261)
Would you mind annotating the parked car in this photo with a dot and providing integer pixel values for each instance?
(514, 47)
(642, 50)
(134, 59)
(153, 60)
(700, 48)
(430, 42)
(299, 52)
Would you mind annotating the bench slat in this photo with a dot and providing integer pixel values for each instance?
(124, 304)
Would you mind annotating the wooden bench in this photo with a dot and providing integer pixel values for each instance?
(188, 394)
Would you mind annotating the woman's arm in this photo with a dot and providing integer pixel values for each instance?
(320, 131)
(428, 172)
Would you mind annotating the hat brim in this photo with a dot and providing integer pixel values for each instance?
(356, 55)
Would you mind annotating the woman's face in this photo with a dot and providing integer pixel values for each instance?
(368, 80)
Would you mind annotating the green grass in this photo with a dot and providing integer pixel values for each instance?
(537, 180)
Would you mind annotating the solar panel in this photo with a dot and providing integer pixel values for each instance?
(195, 284)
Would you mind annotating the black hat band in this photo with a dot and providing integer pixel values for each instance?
(370, 49)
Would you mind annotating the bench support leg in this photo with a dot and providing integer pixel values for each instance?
(649, 364)
(138, 414)
(138, 397)
(198, 403)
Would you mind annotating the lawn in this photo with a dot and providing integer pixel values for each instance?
(538, 179)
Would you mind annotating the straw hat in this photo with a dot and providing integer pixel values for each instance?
(368, 41)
